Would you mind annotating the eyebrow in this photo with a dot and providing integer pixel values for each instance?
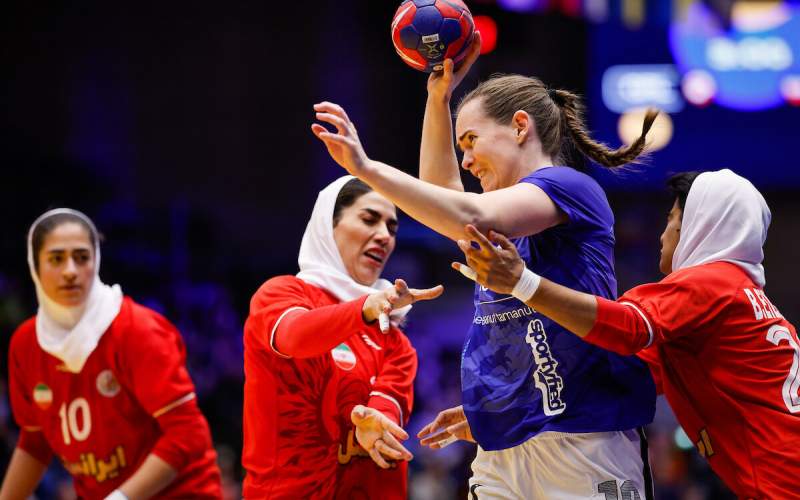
(461, 137)
(377, 214)
(63, 250)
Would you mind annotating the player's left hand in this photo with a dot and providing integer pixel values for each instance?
(344, 146)
(377, 434)
(495, 264)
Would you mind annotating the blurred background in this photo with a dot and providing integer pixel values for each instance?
(183, 130)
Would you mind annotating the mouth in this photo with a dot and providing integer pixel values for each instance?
(376, 255)
(70, 288)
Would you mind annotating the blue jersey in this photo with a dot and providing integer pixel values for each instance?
(521, 373)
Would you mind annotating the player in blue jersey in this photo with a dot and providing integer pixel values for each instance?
(553, 417)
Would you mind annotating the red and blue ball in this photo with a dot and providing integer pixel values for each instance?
(426, 32)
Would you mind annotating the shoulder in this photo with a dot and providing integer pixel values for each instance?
(286, 286)
(138, 325)
(695, 285)
(566, 176)
(24, 335)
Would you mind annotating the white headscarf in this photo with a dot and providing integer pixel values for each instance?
(72, 333)
(320, 261)
(725, 218)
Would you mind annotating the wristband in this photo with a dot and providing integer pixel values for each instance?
(116, 495)
(527, 285)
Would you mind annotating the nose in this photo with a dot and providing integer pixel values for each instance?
(467, 160)
(70, 270)
(382, 235)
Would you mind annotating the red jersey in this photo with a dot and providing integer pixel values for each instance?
(104, 421)
(298, 437)
(729, 365)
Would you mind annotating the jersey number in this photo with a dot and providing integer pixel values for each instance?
(70, 428)
(626, 492)
(791, 398)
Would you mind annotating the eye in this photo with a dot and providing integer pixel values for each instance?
(55, 259)
(392, 229)
(370, 221)
(82, 258)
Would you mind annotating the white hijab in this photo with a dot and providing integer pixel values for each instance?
(725, 218)
(72, 333)
(320, 261)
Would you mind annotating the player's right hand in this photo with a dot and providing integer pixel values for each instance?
(380, 305)
(449, 426)
(442, 83)
(379, 436)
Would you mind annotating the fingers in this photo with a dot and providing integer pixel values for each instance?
(427, 293)
(446, 442)
(383, 321)
(501, 240)
(358, 414)
(388, 451)
(392, 428)
(472, 55)
(479, 238)
(461, 429)
(332, 108)
(465, 270)
(342, 125)
(400, 286)
(391, 443)
(376, 457)
(434, 439)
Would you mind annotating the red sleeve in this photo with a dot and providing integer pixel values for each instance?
(651, 357)
(20, 392)
(153, 360)
(36, 445)
(286, 321)
(185, 435)
(393, 390)
(31, 437)
(682, 303)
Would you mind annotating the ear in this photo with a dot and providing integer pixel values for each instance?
(523, 125)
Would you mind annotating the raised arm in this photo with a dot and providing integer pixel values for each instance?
(605, 323)
(519, 210)
(437, 157)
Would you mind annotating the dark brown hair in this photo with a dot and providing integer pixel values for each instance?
(47, 225)
(679, 186)
(350, 192)
(558, 115)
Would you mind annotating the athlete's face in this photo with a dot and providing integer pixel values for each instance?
(66, 264)
(491, 150)
(365, 236)
(670, 238)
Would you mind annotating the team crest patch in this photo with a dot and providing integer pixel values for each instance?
(344, 357)
(107, 384)
(42, 396)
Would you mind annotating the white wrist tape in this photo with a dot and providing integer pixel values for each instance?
(527, 285)
(447, 441)
(116, 495)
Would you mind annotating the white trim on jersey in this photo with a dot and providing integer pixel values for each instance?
(386, 396)
(174, 404)
(275, 329)
(646, 322)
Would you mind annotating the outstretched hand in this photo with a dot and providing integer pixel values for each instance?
(344, 146)
(442, 83)
(495, 264)
(379, 305)
(449, 426)
(378, 435)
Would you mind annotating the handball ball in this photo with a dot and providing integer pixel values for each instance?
(426, 32)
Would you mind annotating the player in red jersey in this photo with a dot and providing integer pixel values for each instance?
(100, 382)
(724, 356)
(327, 387)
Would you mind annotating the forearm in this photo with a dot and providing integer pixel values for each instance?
(617, 327)
(444, 210)
(304, 334)
(150, 478)
(575, 311)
(437, 159)
(22, 476)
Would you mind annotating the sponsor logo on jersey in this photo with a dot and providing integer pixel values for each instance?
(42, 396)
(546, 377)
(344, 357)
(107, 384)
(100, 469)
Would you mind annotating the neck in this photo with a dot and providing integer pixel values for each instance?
(533, 163)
